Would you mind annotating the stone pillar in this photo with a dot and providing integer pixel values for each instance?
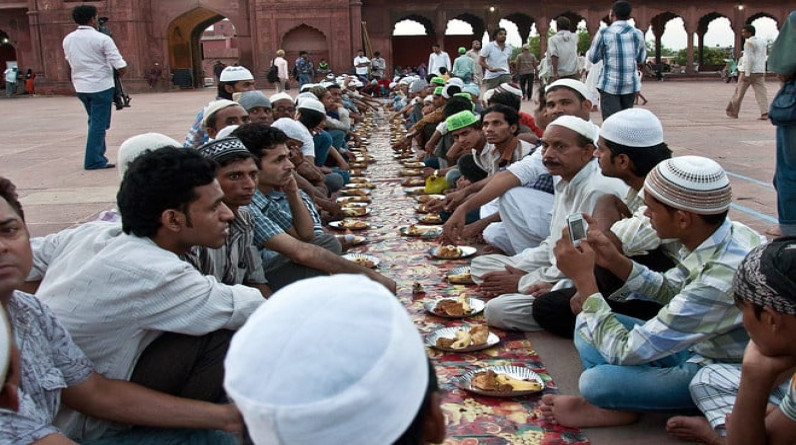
(440, 24)
(542, 26)
(689, 51)
(355, 17)
(701, 31)
(657, 30)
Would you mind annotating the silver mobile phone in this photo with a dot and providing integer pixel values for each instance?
(577, 228)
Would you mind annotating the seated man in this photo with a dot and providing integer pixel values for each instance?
(358, 336)
(750, 403)
(220, 114)
(256, 105)
(567, 151)
(126, 297)
(237, 261)
(633, 366)
(630, 145)
(290, 248)
(49, 367)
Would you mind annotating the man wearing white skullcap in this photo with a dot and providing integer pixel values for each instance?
(630, 145)
(334, 360)
(48, 368)
(631, 365)
(233, 79)
(567, 152)
(220, 114)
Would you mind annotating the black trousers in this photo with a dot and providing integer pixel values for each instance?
(553, 313)
(526, 85)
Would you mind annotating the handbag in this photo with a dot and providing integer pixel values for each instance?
(783, 108)
(273, 74)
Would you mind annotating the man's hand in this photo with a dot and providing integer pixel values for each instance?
(290, 186)
(605, 251)
(574, 262)
(452, 229)
(500, 282)
(538, 289)
(231, 419)
(576, 302)
(453, 199)
(759, 366)
(475, 231)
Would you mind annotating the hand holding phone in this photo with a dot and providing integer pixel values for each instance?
(577, 228)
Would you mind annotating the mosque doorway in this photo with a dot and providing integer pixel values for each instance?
(307, 38)
(7, 51)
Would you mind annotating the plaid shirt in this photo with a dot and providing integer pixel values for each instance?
(269, 219)
(196, 136)
(621, 47)
(699, 315)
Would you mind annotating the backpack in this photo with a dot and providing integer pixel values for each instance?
(295, 72)
(273, 74)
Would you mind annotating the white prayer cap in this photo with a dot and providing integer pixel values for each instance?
(576, 124)
(328, 360)
(428, 99)
(572, 84)
(5, 347)
(235, 74)
(137, 145)
(307, 86)
(296, 130)
(393, 85)
(488, 95)
(312, 104)
(304, 96)
(509, 87)
(226, 131)
(455, 81)
(633, 127)
(330, 76)
(216, 106)
(280, 96)
(691, 183)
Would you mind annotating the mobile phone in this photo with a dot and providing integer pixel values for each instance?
(577, 228)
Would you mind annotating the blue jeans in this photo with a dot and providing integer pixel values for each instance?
(323, 142)
(98, 108)
(661, 385)
(338, 138)
(303, 78)
(785, 179)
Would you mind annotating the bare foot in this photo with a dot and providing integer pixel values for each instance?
(576, 412)
(693, 429)
(774, 232)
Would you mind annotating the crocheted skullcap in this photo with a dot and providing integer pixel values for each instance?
(691, 183)
(633, 127)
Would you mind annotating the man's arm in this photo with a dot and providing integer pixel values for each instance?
(125, 402)
(319, 258)
(493, 188)
(302, 220)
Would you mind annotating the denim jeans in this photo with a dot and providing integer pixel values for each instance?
(98, 108)
(661, 385)
(338, 138)
(323, 142)
(785, 179)
(303, 79)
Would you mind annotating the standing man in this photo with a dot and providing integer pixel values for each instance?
(437, 59)
(475, 54)
(378, 65)
(304, 68)
(494, 58)
(218, 67)
(563, 50)
(362, 65)
(463, 66)
(153, 75)
(11, 80)
(93, 57)
(621, 48)
(753, 73)
(525, 66)
(281, 71)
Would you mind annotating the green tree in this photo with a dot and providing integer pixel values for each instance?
(710, 56)
(584, 40)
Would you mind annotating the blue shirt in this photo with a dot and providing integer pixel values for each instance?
(621, 48)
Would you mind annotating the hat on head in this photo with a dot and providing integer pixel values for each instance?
(462, 50)
(222, 148)
(472, 89)
(576, 124)
(5, 346)
(460, 120)
(307, 86)
(312, 104)
(465, 96)
(576, 85)
(296, 130)
(393, 85)
(633, 127)
(767, 276)
(447, 89)
(226, 131)
(280, 96)
(488, 94)
(428, 99)
(214, 107)
(235, 74)
(691, 183)
(438, 91)
(509, 87)
(137, 145)
(332, 360)
(252, 99)
(455, 81)
(330, 76)
(439, 81)
(417, 85)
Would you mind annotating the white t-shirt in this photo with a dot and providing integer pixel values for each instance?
(92, 56)
(361, 70)
(496, 58)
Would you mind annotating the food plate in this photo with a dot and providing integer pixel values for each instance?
(422, 199)
(349, 224)
(412, 182)
(431, 339)
(466, 252)
(421, 208)
(353, 212)
(460, 275)
(415, 190)
(352, 204)
(356, 172)
(363, 260)
(351, 240)
(361, 185)
(410, 172)
(401, 156)
(350, 199)
(358, 164)
(430, 218)
(412, 164)
(476, 307)
(421, 231)
(355, 191)
(359, 180)
(517, 372)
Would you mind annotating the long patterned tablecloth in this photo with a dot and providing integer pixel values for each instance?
(471, 419)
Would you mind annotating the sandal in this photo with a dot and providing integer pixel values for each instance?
(763, 117)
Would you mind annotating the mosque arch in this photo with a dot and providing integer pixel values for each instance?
(523, 22)
(8, 51)
(427, 23)
(183, 41)
(410, 51)
(761, 15)
(307, 38)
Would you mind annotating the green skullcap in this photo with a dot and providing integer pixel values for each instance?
(462, 50)
(466, 96)
(438, 81)
(437, 90)
(460, 120)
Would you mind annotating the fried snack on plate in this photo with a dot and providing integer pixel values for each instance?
(449, 251)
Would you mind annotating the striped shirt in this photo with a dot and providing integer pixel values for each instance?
(636, 233)
(269, 219)
(621, 47)
(699, 314)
